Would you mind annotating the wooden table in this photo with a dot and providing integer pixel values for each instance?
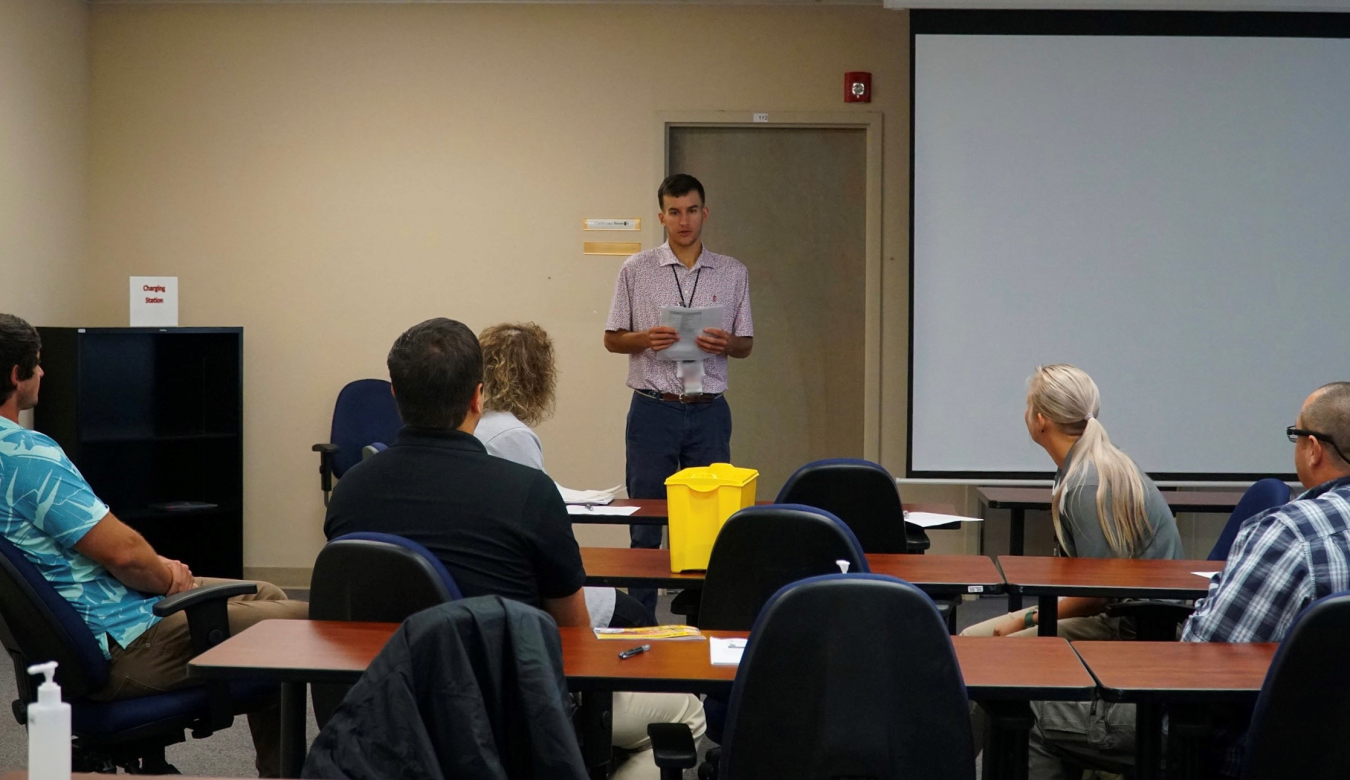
(1153, 675)
(1017, 500)
(653, 511)
(936, 575)
(1004, 675)
(1048, 578)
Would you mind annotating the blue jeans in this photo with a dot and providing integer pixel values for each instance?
(662, 438)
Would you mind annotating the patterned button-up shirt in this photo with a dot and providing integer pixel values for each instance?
(46, 508)
(647, 281)
(1282, 560)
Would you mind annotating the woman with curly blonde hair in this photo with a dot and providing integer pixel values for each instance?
(519, 379)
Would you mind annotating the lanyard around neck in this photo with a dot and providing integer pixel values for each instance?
(680, 289)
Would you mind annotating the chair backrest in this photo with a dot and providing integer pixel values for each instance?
(1303, 713)
(1262, 495)
(37, 625)
(760, 549)
(849, 676)
(365, 413)
(377, 577)
(374, 577)
(859, 492)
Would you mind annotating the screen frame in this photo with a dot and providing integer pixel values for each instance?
(1274, 24)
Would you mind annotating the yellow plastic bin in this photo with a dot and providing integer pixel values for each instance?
(699, 500)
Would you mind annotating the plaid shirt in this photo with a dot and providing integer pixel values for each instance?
(1282, 560)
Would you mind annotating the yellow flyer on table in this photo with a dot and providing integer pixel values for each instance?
(650, 632)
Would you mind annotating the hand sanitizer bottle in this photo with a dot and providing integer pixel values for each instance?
(48, 729)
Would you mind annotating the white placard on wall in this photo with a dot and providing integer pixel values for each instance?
(154, 301)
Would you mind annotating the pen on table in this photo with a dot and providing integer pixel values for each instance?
(632, 651)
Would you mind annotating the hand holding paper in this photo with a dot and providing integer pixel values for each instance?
(689, 323)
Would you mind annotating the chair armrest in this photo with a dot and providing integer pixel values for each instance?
(326, 448)
(1154, 621)
(672, 745)
(326, 452)
(189, 599)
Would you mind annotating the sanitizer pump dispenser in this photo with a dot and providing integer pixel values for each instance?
(48, 729)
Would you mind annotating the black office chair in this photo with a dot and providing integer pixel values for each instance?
(862, 494)
(845, 676)
(1302, 715)
(372, 577)
(38, 625)
(472, 689)
(1159, 621)
(762, 548)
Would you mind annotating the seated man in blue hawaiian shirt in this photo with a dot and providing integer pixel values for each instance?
(107, 571)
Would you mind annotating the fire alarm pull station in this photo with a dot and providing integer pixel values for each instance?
(858, 87)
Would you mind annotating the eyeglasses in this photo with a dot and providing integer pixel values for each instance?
(1293, 433)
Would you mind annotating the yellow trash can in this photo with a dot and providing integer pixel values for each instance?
(699, 500)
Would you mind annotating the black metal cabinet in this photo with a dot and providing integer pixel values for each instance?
(153, 418)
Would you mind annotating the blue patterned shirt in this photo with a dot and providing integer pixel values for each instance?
(1282, 560)
(46, 508)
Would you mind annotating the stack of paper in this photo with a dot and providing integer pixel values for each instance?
(602, 497)
(650, 632)
(726, 652)
(930, 519)
(581, 509)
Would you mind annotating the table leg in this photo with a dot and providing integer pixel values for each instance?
(1148, 719)
(1189, 729)
(1016, 531)
(1047, 616)
(595, 728)
(1005, 741)
(292, 728)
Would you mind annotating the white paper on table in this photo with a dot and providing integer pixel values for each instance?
(930, 519)
(582, 509)
(689, 323)
(1210, 574)
(726, 652)
(571, 496)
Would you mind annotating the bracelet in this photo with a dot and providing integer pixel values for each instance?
(1029, 619)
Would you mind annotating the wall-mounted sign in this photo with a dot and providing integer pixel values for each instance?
(612, 224)
(623, 248)
(154, 301)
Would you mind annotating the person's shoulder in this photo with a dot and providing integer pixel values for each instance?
(727, 262)
(17, 441)
(1315, 515)
(647, 258)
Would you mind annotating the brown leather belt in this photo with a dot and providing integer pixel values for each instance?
(698, 398)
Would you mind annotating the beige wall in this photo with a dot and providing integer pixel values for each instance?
(44, 108)
(327, 175)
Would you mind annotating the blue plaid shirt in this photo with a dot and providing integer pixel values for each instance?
(46, 508)
(1281, 561)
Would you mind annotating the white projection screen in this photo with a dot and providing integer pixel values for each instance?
(1160, 199)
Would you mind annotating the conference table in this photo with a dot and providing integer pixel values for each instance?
(1185, 677)
(1048, 578)
(936, 575)
(1017, 500)
(1003, 675)
(654, 511)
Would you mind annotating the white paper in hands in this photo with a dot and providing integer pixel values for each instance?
(690, 324)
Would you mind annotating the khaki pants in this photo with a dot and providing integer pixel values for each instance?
(632, 713)
(1094, 735)
(157, 662)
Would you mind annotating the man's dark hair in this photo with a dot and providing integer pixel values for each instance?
(19, 346)
(1329, 414)
(435, 366)
(677, 185)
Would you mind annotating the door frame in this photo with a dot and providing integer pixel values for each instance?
(871, 123)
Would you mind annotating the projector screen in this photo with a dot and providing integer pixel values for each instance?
(1169, 212)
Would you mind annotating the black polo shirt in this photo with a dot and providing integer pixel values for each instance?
(500, 528)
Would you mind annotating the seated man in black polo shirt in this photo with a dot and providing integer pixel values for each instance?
(499, 527)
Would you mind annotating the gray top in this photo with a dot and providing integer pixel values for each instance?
(1082, 531)
(506, 437)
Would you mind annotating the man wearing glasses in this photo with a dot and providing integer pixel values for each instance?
(1285, 558)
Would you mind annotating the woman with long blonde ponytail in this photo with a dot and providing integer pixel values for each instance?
(1103, 505)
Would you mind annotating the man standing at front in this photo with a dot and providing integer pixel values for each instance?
(678, 417)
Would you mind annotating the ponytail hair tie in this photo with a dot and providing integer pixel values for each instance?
(1090, 415)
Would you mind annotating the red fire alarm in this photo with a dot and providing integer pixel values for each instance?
(858, 87)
